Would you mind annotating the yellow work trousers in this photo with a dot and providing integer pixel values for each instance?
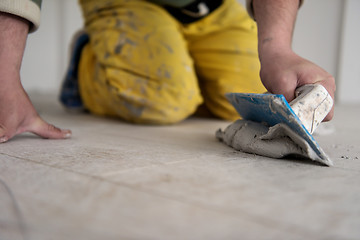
(144, 66)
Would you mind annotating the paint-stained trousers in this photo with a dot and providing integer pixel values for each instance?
(144, 66)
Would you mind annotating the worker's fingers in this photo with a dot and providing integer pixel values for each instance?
(46, 130)
(38, 127)
(284, 73)
(3, 135)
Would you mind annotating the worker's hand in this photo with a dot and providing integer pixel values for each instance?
(17, 115)
(283, 72)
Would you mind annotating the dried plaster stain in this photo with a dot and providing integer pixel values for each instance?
(122, 41)
(164, 71)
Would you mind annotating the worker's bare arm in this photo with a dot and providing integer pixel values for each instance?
(17, 114)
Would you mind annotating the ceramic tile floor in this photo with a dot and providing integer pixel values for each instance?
(115, 180)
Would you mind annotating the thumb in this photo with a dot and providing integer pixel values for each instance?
(46, 130)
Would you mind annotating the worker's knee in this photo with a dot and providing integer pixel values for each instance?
(140, 72)
(160, 107)
(169, 96)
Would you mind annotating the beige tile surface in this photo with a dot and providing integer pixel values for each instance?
(115, 180)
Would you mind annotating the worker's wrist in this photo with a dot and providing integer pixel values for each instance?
(10, 22)
(269, 48)
(13, 35)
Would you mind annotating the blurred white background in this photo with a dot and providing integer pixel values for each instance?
(326, 33)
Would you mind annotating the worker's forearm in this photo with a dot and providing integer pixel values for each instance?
(275, 20)
(13, 35)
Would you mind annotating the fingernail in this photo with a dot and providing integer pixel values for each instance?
(67, 135)
(4, 139)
